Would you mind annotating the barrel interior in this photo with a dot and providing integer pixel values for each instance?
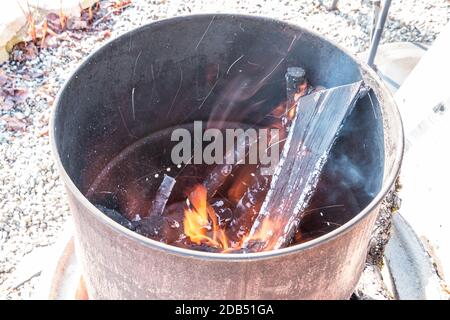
(226, 69)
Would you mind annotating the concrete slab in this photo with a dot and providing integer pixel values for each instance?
(424, 102)
(427, 85)
(425, 177)
(12, 20)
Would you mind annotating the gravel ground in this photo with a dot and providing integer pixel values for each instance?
(33, 206)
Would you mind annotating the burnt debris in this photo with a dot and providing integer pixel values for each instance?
(117, 217)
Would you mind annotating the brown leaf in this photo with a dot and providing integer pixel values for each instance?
(76, 36)
(54, 22)
(77, 24)
(20, 93)
(106, 34)
(24, 51)
(43, 132)
(120, 5)
(14, 124)
(14, 94)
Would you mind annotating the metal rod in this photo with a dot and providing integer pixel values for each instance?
(378, 32)
(376, 8)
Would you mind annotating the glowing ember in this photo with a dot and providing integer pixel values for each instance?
(201, 225)
(262, 236)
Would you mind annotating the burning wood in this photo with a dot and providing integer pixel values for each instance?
(200, 219)
(296, 86)
(250, 187)
(247, 193)
(218, 176)
(234, 207)
(154, 224)
(162, 196)
(310, 139)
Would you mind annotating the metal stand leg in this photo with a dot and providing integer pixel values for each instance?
(376, 8)
(333, 5)
(378, 32)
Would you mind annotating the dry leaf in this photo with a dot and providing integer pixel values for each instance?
(77, 24)
(24, 51)
(54, 22)
(106, 34)
(43, 132)
(119, 5)
(14, 124)
(16, 95)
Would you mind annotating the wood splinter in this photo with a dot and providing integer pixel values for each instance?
(162, 196)
(154, 224)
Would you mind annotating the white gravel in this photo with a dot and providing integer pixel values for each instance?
(33, 206)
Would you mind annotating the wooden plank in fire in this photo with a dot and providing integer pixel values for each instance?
(318, 120)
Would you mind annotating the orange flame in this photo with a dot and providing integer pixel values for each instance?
(201, 226)
(200, 219)
(264, 235)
